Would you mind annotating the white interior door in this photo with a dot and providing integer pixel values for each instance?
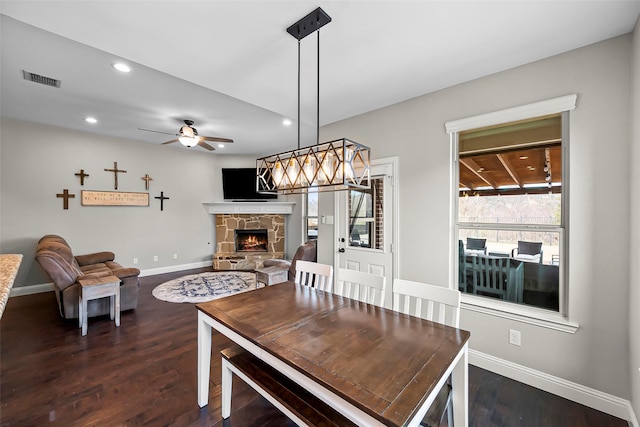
(365, 227)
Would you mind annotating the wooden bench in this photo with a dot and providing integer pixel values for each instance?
(295, 402)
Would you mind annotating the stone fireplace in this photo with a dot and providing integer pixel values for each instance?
(244, 241)
(253, 219)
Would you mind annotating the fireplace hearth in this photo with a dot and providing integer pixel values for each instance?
(251, 240)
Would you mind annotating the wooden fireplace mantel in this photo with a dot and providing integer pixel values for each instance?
(283, 208)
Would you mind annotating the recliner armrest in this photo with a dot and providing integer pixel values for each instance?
(123, 273)
(95, 258)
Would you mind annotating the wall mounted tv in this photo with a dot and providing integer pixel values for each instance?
(240, 184)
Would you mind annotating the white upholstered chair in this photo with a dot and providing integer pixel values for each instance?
(361, 286)
(437, 304)
(319, 276)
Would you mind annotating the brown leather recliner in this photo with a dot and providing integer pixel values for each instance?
(305, 252)
(54, 254)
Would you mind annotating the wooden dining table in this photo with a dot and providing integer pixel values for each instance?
(375, 366)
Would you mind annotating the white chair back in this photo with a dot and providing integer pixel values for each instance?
(429, 302)
(319, 276)
(361, 286)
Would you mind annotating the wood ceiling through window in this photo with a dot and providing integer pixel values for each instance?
(510, 158)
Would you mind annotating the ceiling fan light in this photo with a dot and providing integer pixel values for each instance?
(188, 141)
(188, 131)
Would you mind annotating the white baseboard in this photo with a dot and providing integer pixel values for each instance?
(48, 287)
(31, 289)
(172, 268)
(587, 396)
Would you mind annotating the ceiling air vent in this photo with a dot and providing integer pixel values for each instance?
(37, 78)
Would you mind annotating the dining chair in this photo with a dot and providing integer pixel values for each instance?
(359, 285)
(319, 276)
(437, 304)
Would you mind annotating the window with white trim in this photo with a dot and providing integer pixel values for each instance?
(510, 208)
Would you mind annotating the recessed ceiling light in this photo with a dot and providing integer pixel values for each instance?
(286, 122)
(220, 145)
(121, 66)
(91, 120)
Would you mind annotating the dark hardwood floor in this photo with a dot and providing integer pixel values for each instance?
(144, 373)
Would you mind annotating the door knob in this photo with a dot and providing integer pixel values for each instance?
(341, 250)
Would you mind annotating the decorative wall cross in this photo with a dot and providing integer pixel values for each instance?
(82, 176)
(162, 199)
(115, 171)
(146, 180)
(66, 196)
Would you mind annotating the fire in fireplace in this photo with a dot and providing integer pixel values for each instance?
(251, 240)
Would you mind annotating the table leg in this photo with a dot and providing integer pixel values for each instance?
(80, 308)
(460, 389)
(83, 310)
(117, 285)
(204, 359)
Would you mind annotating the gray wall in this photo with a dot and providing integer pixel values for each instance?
(597, 355)
(38, 161)
(634, 284)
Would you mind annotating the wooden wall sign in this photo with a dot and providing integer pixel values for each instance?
(114, 198)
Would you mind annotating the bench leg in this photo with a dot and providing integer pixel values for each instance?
(227, 385)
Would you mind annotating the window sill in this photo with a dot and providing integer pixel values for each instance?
(525, 314)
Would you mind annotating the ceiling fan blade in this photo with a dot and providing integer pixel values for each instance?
(205, 145)
(170, 142)
(216, 139)
(156, 131)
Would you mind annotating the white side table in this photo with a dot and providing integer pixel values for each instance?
(272, 275)
(108, 286)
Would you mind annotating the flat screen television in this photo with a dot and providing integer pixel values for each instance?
(240, 184)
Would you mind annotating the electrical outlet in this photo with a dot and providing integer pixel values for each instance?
(155, 257)
(175, 256)
(515, 337)
(135, 260)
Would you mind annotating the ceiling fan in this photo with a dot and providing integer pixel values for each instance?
(188, 136)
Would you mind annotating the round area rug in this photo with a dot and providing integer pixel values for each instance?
(205, 286)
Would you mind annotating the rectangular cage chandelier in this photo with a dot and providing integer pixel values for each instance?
(330, 166)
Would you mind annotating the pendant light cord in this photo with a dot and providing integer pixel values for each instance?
(318, 96)
(298, 94)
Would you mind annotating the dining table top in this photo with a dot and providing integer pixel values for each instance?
(383, 362)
